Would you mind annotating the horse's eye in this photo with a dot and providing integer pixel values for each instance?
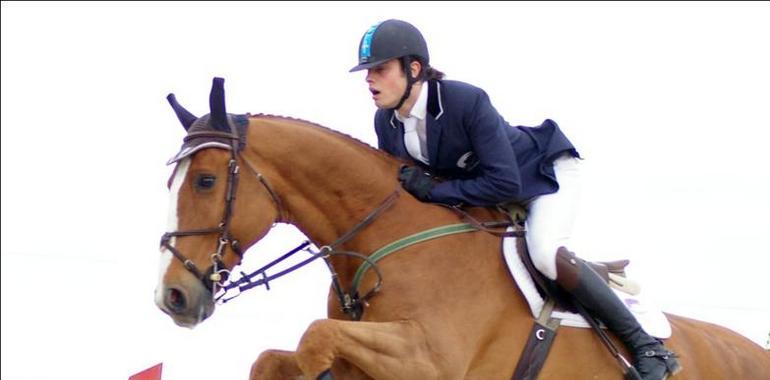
(205, 182)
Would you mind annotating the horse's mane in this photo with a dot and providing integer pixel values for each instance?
(364, 146)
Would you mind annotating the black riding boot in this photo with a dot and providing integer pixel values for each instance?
(652, 360)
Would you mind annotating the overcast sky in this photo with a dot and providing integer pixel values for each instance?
(668, 103)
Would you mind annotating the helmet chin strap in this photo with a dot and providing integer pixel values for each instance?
(409, 82)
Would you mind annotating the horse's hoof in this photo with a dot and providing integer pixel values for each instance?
(325, 375)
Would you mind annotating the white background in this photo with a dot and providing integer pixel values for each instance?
(668, 103)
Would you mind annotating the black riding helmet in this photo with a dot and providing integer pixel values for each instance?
(388, 40)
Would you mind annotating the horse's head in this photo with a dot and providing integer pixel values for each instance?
(206, 235)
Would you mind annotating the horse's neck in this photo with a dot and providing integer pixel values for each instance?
(328, 182)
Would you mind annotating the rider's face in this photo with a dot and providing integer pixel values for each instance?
(387, 83)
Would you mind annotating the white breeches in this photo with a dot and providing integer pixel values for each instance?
(551, 216)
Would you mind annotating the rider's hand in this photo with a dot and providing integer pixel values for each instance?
(416, 181)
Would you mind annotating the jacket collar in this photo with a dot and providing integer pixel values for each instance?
(435, 106)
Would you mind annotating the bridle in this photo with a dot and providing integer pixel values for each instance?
(217, 274)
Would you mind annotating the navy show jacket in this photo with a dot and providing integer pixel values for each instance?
(486, 160)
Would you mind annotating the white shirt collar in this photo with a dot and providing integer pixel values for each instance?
(420, 107)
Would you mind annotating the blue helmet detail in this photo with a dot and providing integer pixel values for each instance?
(366, 44)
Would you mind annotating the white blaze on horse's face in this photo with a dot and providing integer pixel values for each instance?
(173, 224)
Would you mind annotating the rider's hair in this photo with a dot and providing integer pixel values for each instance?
(426, 73)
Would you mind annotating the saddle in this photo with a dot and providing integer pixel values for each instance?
(544, 330)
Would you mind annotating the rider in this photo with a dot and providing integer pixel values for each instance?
(450, 128)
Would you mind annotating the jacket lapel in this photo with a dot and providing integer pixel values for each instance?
(397, 129)
(433, 124)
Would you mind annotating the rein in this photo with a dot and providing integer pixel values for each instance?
(350, 304)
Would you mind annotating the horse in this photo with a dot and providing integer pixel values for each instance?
(446, 308)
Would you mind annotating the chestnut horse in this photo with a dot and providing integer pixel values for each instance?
(447, 308)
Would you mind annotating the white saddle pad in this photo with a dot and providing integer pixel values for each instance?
(650, 317)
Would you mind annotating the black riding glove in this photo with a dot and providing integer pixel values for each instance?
(416, 181)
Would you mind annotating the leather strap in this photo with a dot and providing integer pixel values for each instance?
(538, 344)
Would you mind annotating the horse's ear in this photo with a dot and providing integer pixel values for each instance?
(217, 105)
(184, 116)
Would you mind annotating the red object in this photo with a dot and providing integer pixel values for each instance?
(152, 373)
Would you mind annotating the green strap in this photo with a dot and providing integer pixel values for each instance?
(405, 242)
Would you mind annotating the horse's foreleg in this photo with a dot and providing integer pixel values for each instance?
(383, 350)
(275, 365)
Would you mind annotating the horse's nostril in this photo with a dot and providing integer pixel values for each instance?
(175, 300)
